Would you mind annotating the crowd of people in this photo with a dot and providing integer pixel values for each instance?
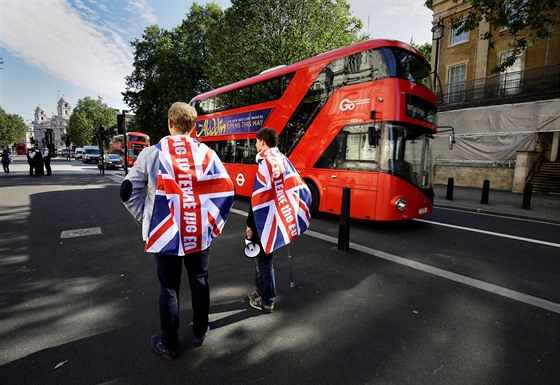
(39, 162)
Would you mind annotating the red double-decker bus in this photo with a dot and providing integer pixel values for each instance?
(21, 148)
(135, 142)
(360, 117)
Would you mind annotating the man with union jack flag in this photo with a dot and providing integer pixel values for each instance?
(280, 211)
(181, 193)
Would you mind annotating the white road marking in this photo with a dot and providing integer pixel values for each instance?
(81, 232)
(476, 283)
(499, 290)
(491, 233)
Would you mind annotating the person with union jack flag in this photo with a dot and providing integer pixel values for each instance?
(182, 194)
(280, 212)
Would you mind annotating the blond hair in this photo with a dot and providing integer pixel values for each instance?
(183, 116)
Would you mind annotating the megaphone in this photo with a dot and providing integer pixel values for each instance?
(251, 249)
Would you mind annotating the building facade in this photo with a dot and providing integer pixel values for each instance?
(51, 131)
(505, 123)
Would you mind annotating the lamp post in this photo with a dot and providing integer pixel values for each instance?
(437, 34)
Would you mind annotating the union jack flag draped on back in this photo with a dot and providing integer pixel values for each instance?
(194, 195)
(281, 200)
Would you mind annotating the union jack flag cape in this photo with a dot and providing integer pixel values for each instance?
(194, 195)
(281, 200)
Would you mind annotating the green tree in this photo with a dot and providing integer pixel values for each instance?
(88, 115)
(169, 66)
(523, 21)
(425, 49)
(259, 34)
(12, 128)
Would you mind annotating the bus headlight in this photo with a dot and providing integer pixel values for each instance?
(400, 204)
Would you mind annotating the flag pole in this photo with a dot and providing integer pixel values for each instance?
(290, 264)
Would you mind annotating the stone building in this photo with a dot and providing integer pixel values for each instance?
(43, 125)
(507, 125)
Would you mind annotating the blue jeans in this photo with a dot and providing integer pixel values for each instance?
(169, 270)
(265, 281)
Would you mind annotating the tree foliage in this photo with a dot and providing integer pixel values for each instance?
(259, 34)
(12, 128)
(425, 49)
(212, 48)
(523, 21)
(169, 66)
(87, 117)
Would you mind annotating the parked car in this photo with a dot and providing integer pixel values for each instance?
(78, 153)
(91, 154)
(111, 161)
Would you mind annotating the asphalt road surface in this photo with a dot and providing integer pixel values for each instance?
(79, 299)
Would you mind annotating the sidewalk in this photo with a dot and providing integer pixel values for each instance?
(543, 207)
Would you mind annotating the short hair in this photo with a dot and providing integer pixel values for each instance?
(183, 116)
(269, 135)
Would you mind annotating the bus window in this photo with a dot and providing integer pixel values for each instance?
(235, 151)
(350, 150)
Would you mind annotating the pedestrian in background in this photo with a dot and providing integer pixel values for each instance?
(6, 160)
(181, 193)
(47, 160)
(31, 161)
(280, 211)
(38, 163)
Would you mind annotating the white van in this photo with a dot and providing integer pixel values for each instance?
(78, 153)
(90, 154)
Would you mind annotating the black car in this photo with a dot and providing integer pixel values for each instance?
(113, 161)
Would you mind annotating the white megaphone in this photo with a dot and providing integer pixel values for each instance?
(251, 249)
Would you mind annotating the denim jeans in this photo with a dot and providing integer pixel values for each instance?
(265, 281)
(169, 270)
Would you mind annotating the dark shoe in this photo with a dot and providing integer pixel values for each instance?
(158, 348)
(198, 341)
(258, 304)
(253, 295)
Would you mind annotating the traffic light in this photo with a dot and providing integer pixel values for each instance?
(120, 124)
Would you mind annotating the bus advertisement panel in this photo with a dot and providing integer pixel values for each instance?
(360, 117)
(135, 143)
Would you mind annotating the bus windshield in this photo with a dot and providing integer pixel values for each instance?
(406, 154)
(386, 147)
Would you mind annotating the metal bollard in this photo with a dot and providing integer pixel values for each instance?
(449, 195)
(344, 224)
(485, 192)
(527, 191)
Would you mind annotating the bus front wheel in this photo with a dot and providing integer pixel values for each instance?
(314, 199)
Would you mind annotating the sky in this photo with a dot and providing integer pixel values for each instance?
(79, 48)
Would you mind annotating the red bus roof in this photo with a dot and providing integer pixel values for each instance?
(324, 57)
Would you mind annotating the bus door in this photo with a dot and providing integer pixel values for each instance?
(350, 161)
(363, 193)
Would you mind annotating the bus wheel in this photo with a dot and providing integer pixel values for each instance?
(314, 199)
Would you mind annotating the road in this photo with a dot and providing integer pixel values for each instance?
(445, 300)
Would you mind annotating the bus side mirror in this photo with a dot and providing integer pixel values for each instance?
(451, 140)
(373, 140)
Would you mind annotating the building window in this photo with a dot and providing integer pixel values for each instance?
(456, 83)
(510, 79)
(458, 37)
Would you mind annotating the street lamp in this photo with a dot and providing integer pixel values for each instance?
(437, 34)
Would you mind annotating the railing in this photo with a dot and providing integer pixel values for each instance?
(536, 165)
(513, 87)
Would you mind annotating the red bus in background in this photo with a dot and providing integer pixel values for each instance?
(135, 142)
(360, 117)
(21, 148)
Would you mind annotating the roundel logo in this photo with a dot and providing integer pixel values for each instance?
(240, 179)
(346, 105)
